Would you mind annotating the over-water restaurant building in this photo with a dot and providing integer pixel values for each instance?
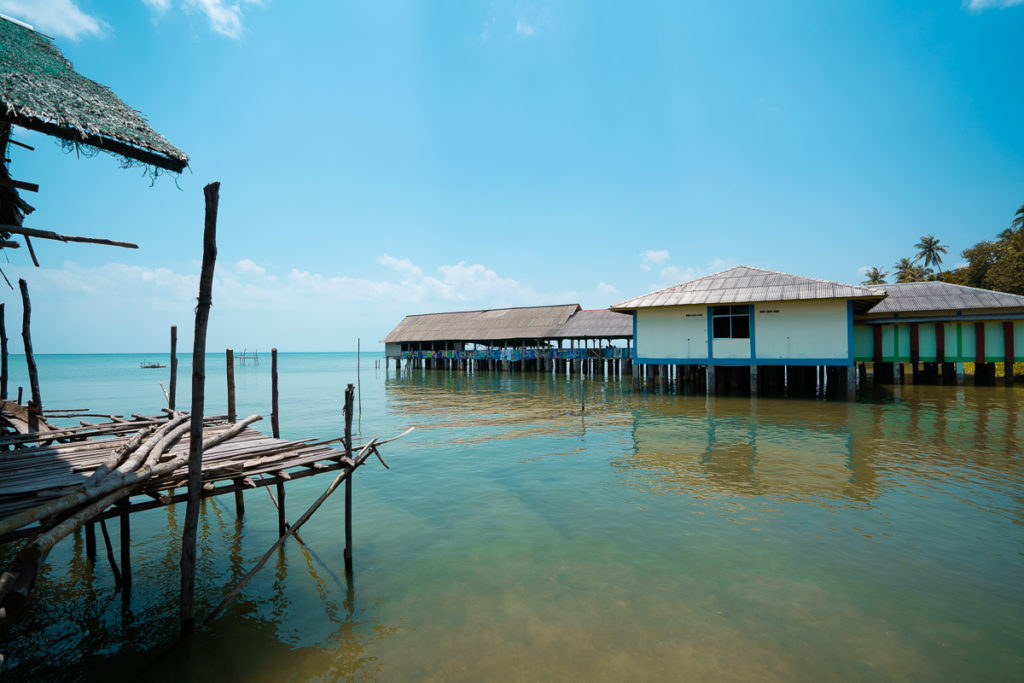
(802, 335)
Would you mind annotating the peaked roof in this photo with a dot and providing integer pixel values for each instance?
(746, 285)
(534, 322)
(907, 297)
(600, 324)
(40, 90)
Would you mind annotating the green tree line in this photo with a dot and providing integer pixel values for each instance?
(991, 264)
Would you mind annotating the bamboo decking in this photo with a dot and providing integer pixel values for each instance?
(52, 464)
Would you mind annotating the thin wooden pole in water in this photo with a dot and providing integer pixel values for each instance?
(90, 542)
(126, 546)
(3, 355)
(195, 450)
(274, 425)
(349, 391)
(359, 384)
(174, 367)
(30, 359)
(229, 357)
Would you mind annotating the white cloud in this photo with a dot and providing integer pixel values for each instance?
(253, 306)
(611, 290)
(653, 257)
(404, 265)
(514, 19)
(225, 17)
(525, 28)
(62, 18)
(982, 5)
(249, 266)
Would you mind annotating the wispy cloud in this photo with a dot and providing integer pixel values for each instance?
(514, 19)
(654, 257)
(982, 5)
(226, 18)
(257, 305)
(672, 275)
(60, 18)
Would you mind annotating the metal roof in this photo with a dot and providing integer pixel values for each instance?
(40, 90)
(911, 297)
(534, 322)
(746, 285)
(600, 324)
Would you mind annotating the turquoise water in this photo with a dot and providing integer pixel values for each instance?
(652, 537)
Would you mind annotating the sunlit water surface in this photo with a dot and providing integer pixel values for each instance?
(517, 537)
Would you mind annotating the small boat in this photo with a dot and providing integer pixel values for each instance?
(151, 365)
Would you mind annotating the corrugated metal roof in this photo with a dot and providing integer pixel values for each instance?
(534, 322)
(601, 324)
(746, 285)
(912, 297)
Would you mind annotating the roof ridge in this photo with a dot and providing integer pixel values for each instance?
(487, 310)
(952, 284)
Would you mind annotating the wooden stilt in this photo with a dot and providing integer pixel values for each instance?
(174, 368)
(274, 419)
(239, 498)
(30, 360)
(110, 554)
(229, 357)
(90, 542)
(349, 390)
(126, 545)
(3, 356)
(282, 522)
(195, 452)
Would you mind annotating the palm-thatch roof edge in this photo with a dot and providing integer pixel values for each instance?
(41, 91)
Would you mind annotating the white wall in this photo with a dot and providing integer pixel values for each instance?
(801, 330)
(672, 332)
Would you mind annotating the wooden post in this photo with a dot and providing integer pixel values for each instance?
(349, 391)
(753, 380)
(359, 384)
(30, 360)
(274, 419)
(3, 364)
(979, 344)
(126, 546)
(1008, 350)
(195, 451)
(90, 542)
(239, 497)
(229, 356)
(174, 367)
(282, 523)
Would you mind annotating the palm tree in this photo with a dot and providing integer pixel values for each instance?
(930, 251)
(875, 276)
(909, 271)
(1018, 219)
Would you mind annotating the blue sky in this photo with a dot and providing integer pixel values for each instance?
(379, 159)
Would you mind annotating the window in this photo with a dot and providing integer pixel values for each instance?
(730, 322)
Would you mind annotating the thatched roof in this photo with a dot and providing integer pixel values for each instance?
(510, 324)
(499, 324)
(746, 285)
(41, 91)
(599, 324)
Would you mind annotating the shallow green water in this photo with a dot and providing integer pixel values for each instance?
(653, 537)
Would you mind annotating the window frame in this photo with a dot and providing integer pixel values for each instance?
(729, 316)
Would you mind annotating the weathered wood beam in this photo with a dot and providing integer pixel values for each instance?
(19, 184)
(50, 235)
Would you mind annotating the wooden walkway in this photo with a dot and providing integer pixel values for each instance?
(37, 467)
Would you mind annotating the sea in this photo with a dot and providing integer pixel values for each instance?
(543, 527)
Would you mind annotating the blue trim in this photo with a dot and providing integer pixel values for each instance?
(753, 347)
(849, 330)
(634, 336)
(744, 361)
(710, 328)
